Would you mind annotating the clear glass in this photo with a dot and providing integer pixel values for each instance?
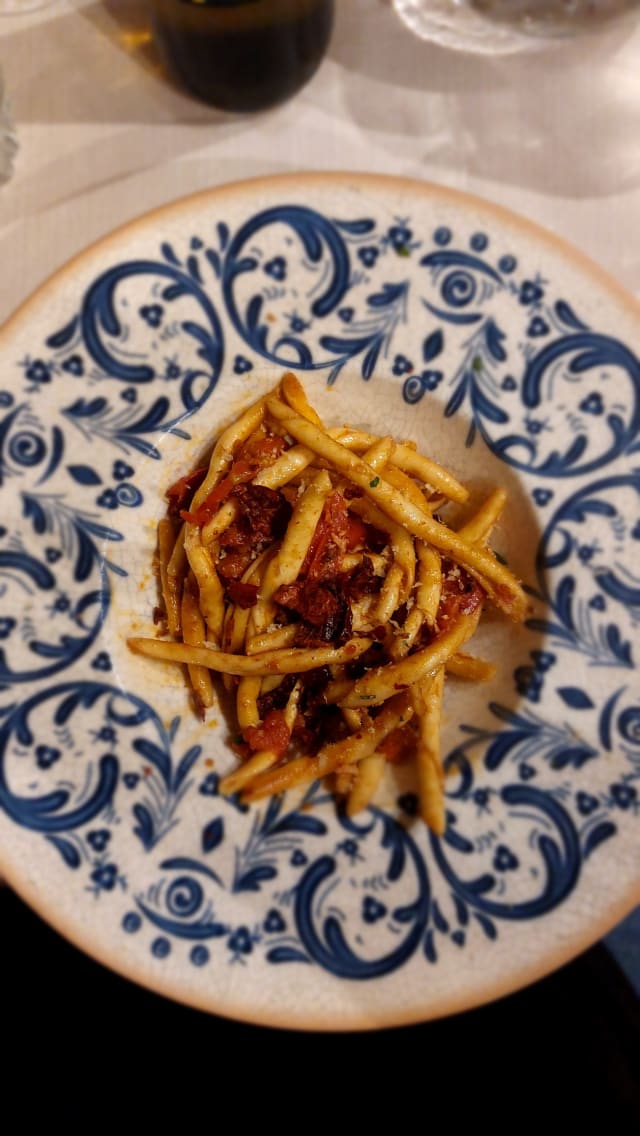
(8, 145)
(502, 26)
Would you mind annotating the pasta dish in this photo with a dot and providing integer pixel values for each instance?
(311, 569)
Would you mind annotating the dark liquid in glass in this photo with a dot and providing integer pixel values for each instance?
(243, 55)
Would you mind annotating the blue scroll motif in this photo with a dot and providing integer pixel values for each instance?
(174, 339)
(595, 598)
(26, 735)
(59, 731)
(53, 574)
(319, 918)
(463, 279)
(557, 847)
(582, 358)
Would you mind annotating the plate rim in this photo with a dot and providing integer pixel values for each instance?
(134, 970)
(350, 179)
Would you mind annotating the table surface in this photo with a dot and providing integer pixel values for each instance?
(103, 137)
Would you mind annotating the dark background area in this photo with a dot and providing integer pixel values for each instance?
(568, 1046)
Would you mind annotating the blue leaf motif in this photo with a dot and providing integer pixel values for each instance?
(575, 756)
(429, 947)
(575, 697)
(168, 253)
(393, 839)
(193, 269)
(487, 408)
(457, 398)
(406, 914)
(33, 511)
(174, 291)
(286, 954)
(494, 339)
(356, 228)
(84, 475)
(439, 920)
(371, 358)
(87, 553)
(253, 880)
(388, 295)
(212, 834)
(487, 925)
(597, 835)
(273, 812)
(461, 910)
(456, 840)
(185, 765)
(337, 345)
(67, 850)
(565, 312)
(301, 822)
(500, 747)
(86, 408)
(214, 260)
(64, 336)
(482, 885)
(144, 829)
(210, 348)
(158, 757)
(564, 601)
(432, 346)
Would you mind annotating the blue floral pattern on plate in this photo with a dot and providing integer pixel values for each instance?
(451, 316)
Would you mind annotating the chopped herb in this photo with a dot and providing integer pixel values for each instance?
(375, 483)
(367, 697)
(477, 363)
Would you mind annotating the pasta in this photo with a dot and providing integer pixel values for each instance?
(311, 569)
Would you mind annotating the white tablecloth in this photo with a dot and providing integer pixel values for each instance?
(103, 136)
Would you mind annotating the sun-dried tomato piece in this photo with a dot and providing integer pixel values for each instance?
(244, 595)
(460, 595)
(272, 734)
(240, 471)
(266, 511)
(325, 615)
(277, 698)
(399, 745)
(180, 493)
(361, 581)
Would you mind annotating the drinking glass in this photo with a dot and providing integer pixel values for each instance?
(8, 143)
(503, 26)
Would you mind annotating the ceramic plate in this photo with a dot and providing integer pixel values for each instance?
(405, 309)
